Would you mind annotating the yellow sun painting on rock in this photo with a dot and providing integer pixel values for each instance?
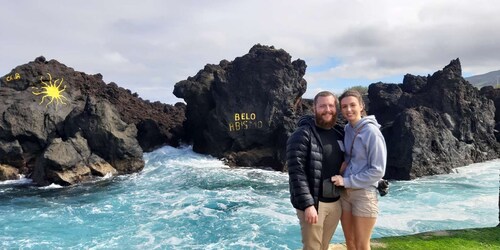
(52, 91)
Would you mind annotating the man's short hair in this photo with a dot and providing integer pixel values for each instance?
(324, 94)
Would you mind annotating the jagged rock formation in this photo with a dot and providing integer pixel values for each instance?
(157, 124)
(62, 126)
(433, 124)
(244, 110)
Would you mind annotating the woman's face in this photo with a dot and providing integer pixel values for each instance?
(351, 109)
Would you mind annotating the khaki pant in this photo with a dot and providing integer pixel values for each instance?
(318, 236)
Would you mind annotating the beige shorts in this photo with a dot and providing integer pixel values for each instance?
(360, 202)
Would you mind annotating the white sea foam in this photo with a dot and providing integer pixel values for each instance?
(184, 200)
(108, 175)
(175, 241)
(460, 200)
(275, 215)
(52, 186)
(21, 181)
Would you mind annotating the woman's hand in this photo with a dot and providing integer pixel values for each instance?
(338, 180)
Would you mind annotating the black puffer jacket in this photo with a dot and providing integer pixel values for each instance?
(304, 154)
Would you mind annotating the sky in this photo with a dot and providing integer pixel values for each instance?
(147, 46)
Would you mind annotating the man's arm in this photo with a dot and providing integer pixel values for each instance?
(297, 152)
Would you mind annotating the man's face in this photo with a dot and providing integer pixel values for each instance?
(325, 111)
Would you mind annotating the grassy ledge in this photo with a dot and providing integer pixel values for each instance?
(474, 238)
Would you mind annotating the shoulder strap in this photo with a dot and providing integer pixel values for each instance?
(354, 138)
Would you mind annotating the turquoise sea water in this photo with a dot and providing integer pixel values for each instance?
(183, 200)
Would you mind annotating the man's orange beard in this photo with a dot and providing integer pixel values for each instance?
(325, 124)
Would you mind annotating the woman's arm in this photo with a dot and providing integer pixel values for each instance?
(376, 158)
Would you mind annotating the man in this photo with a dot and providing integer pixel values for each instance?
(314, 155)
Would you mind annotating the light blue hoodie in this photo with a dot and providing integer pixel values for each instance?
(366, 165)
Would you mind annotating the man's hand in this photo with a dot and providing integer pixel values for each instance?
(311, 215)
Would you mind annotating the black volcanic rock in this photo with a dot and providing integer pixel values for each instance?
(63, 126)
(433, 124)
(494, 94)
(158, 124)
(244, 110)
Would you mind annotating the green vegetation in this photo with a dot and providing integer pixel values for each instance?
(363, 90)
(476, 238)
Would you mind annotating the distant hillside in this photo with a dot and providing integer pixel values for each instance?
(488, 79)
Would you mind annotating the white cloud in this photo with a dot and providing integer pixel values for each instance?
(148, 46)
(115, 58)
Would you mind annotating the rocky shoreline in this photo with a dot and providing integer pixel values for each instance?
(434, 124)
(62, 126)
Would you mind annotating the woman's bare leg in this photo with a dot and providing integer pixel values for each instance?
(363, 227)
(347, 221)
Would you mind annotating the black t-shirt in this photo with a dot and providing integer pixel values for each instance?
(332, 157)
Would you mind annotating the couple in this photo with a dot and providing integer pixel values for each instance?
(321, 162)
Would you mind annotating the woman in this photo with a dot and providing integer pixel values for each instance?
(366, 156)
